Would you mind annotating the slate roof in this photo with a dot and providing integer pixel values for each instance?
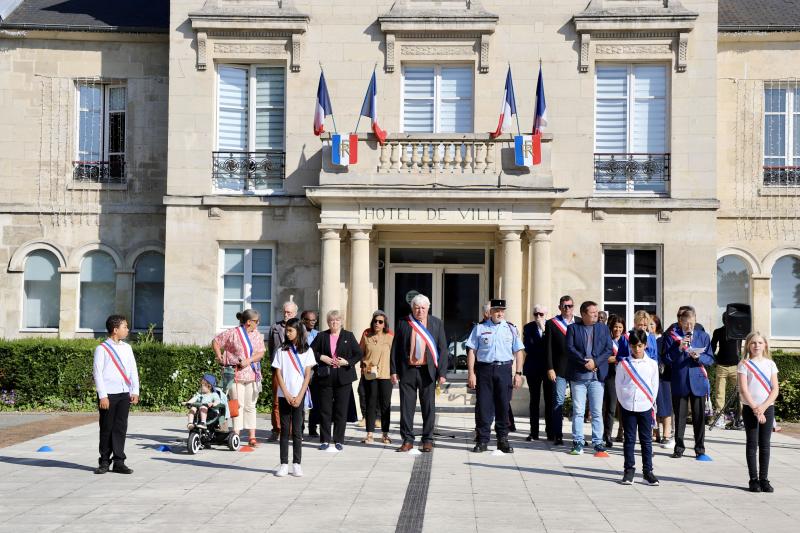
(138, 16)
(759, 15)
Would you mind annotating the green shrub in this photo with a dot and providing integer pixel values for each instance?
(57, 374)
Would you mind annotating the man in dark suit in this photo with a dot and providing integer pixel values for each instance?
(418, 361)
(535, 370)
(555, 335)
(589, 347)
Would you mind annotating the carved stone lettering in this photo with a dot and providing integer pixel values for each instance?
(620, 49)
(250, 48)
(435, 50)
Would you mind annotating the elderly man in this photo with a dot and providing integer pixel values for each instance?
(494, 362)
(535, 370)
(274, 341)
(588, 347)
(418, 361)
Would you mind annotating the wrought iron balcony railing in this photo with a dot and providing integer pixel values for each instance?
(780, 176)
(99, 171)
(631, 172)
(248, 171)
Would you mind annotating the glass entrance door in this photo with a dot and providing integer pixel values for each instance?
(409, 283)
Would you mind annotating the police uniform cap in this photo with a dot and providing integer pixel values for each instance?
(497, 304)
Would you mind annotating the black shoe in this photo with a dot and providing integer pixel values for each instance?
(676, 454)
(558, 442)
(650, 479)
(274, 436)
(765, 486)
(608, 443)
(313, 433)
(755, 486)
(480, 447)
(505, 447)
(102, 469)
(120, 468)
(512, 429)
(532, 437)
(551, 438)
(627, 476)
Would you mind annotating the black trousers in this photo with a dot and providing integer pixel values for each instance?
(609, 405)
(114, 428)
(680, 407)
(379, 399)
(641, 422)
(417, 381)
(291, 417)
(537, 382)
(334, 400)
(758, 436)
(362, 396)
(493, 390)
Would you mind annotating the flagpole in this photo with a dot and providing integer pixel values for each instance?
(519, 130)
(374, 68)
(333, 119)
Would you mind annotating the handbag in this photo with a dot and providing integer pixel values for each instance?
(371, 373)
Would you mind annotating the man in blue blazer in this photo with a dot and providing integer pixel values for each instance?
(687, 348)
(535, 370)
(588, 349)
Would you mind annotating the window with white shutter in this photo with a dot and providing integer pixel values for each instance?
(101, 139)
(631, 127)
(437, 99)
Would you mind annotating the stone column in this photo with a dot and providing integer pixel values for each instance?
(512, 273)
(329, 270)
(68, 303)
(761, 308)
(541, 268)
(360, 301)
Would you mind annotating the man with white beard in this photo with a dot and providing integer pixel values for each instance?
(535, 370)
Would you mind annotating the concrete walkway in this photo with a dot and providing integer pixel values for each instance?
(539, 488)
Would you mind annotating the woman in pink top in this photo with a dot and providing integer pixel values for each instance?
(243, 348)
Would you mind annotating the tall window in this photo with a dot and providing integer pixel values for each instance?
(42, 288)
(786, 297)
(733, 282)
(437, 99)
(101, 133)
(631, 127)
(98, 290)
(631, 280)
(246, 283)
(148, 291)
(781, 134)
(250, 128)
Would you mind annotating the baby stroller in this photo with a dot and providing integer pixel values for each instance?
(218, 430)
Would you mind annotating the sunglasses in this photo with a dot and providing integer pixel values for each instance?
(568, 306)
(379, 321)
(538, 314)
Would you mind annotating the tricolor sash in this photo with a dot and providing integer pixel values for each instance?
(640, 383)
(117, 360)
(614, 347)
(298, 366)
(426, 336)
(759, 375)
(247, 346)
(560, 323)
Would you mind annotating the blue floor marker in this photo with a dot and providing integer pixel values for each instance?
(164, 448)
(704, 457)
(45, 448)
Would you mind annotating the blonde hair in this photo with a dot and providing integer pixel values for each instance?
(334, 313)
(749, 340)
(641, 314)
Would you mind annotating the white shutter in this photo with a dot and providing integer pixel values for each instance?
(418, 95)
(232, 114)
(611, 107)
(649, 109)
(455, 93)
(270, 91)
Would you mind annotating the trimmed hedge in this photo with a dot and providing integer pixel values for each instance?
(57, 374)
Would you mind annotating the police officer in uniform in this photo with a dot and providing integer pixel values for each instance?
(495, 355)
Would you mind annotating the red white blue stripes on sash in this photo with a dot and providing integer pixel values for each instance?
(637, 380)
(423, 332)
(614, 347)
(117, 360)
(759, 375)
(678, 338)
(248, 349)
(298, 366)
(560, 323)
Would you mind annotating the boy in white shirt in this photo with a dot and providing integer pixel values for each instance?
(637, 387)
(116, 379)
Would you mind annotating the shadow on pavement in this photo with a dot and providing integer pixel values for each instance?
(44, 463)
(217, 466)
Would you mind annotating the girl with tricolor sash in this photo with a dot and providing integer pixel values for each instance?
(293, 363)
(637, 387)
(758, 388)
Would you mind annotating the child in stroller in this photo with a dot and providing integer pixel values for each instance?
(209, 418)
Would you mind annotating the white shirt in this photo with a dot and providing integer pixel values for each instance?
(292, 379)
(630, 396)
(107, 378)
(757, 391)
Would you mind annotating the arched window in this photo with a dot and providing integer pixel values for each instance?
(733, 283)
(148, 291)
(42, 290)
(786, 297)
(98, 290)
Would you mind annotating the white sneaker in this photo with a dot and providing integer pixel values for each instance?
(720, 423)
(297, 470)
(669, 444)
(282, 470)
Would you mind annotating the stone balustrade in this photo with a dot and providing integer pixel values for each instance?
(446, 153)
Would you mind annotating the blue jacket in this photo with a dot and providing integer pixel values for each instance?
(535, 350)
(576, 351)
(650, 351)
(688, 376)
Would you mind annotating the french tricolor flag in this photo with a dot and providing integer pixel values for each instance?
(370, 109)
(539, 119)
(509, 108)
(324, 107)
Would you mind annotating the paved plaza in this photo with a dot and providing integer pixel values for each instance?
(374, 489)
